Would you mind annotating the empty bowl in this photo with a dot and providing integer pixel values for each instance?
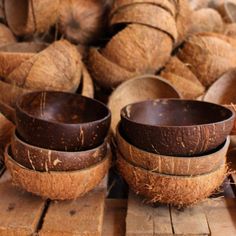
(176, 127)
(61, 121)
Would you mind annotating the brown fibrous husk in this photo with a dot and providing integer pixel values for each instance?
(6, 36)
(26, 17)
(198, 4)
(208, 57)
(52, 69)
(230, 30)
(81, 21)
(171, 189)
(227, 9)
(206, 20)
(57, 185)
(139, 48)
(138, 89)
(87, 83)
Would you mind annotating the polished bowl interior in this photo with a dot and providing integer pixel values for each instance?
(176, 127)
(61, 121)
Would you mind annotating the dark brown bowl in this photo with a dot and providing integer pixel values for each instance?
(176, 127)
(62, 121)
(41, 159)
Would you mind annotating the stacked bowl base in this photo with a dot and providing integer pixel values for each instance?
(59, 167)
(165, 162)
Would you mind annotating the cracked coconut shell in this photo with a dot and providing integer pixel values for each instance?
(171, 189)
(31, 16)
(57, 185)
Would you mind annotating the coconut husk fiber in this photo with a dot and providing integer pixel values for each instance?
(170, 189)
(206, 20)
(105, 72)
(230, 30)
(137, 89)
(181, 166)
(6, 36)
(208, 57)
(57, 185)
(181, 77)
(228, 10)
(12, 55)
(139, 48)
(167, 5)
(26, 17)
(81, 21)
(52, 69)
(87, 83)
(198, 4)
(145, 14)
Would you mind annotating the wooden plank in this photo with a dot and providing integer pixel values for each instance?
(190, 221)
(114, 217)
(146, 220)
(20, 212)
(221, 216)
(83, 216)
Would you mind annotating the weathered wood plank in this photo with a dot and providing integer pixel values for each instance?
(190, 221)
(146, 220)
(114, 217)
(20, 212)
(83, 216)
(221, 216)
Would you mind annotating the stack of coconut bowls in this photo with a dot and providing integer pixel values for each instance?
(59, 149)
(174, 151)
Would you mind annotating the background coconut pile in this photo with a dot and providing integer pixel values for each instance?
(119, 51)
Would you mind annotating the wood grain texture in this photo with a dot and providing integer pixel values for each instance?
(81, 217)
(20, 212)
(114, 217)
(145, 220)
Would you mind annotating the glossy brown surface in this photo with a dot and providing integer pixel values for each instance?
(41, 159)
(176, 127)
(187, 166)
(61, 121)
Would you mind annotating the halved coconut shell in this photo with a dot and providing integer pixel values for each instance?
(170, 189)
(105, 72)
(12, 55)
(228, 10)
(26, 17)
(169, 6)
(137, 89)
(57, 185)
(139, 48)
(171, 165)
(146, 14)
(6, 36)
(223, 92)
(206, 20)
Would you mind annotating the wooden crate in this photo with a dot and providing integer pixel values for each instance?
(23, 214)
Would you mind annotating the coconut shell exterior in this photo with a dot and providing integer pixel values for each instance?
(52, 69)
(206, 20)
(105, 72)
(139, 48)
(181, 166)
(31, 16)
(6, 36)
(140, 14)
(57, 185)
(167, 5)
(170, 189)
(140, 88)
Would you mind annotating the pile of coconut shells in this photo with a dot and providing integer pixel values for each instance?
(121, 52)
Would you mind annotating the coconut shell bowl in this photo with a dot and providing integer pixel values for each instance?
(175, 127)
(61, 121)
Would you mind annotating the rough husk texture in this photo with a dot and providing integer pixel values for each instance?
(181, 77)
(88, 88)
(198, 4)
(186, 166)
(81, 21)
(58, 185)
(174, 190)
(138, 89)
(53, 68)
(208, 57)
(6, 35)
(206, 20)
(31, 16)
(227, 9)
(230, 30)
